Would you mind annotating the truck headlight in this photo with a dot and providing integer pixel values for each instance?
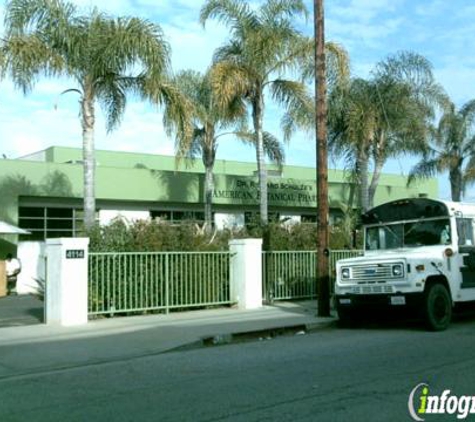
(398, 270)
(345, 273)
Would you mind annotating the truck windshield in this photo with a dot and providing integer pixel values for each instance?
(408, 234)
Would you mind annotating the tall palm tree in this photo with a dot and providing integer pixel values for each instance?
(452, 149)
(212, 121)
(264, 46)
(385, 116)
(322, 160)
(106, 57)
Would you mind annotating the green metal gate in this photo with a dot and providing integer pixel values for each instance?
(293, 274)
(137, 282)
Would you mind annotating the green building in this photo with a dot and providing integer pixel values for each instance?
(42, 192)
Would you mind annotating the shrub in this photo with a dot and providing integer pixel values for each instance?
(148, 236)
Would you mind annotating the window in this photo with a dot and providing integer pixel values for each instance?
(50, 222)
(161, 215)
(253, 218)
(411, 234)
(309, 218)
(465, 231)
(178, 216)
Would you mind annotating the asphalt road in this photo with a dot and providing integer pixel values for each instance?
(361, 374)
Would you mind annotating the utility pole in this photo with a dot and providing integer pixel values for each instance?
(323, 290)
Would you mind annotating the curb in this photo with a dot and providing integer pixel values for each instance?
(255, 335)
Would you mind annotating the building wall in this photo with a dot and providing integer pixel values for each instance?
(141, 183)
(32, 256)
(47, 179)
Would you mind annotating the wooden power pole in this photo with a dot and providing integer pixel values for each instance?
(323, 290)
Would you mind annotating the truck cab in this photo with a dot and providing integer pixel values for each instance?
(418, 253)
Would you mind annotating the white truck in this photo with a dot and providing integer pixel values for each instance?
(419, 252)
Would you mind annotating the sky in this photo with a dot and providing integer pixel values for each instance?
(442, 31)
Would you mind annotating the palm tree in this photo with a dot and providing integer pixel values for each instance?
(212, 121)
(452, 149)
(264, 46)
(322, 160)
(106, 57)
(385, 116)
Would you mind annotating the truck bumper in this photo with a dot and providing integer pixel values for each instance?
(375, 301)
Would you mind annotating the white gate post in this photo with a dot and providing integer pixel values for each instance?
(66, 284)
(246, 272)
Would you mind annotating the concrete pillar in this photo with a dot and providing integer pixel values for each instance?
(66, 285)
(246, 272)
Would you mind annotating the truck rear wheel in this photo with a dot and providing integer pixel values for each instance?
(438, 307)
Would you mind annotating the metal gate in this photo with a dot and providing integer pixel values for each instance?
(136, 282)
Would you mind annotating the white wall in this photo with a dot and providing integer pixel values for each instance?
(106, 216)
(66, 290)
(246, 273)
(32, 257)
(230, 220)
(290, 219)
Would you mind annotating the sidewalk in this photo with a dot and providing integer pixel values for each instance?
(41, 348)
(20, 310)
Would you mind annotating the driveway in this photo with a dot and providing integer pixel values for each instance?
(20, 310)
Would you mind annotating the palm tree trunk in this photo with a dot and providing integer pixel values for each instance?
(352, 195)
(208, 156)
(322, 163)
(456, 184)
(208, 195)
(257, 115)
(363, 163)
(87, 110)
(378, 168)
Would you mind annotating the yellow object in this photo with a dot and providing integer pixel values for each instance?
(3, 279)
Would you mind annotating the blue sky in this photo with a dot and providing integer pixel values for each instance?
(441, 30)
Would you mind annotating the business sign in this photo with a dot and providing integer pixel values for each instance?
(285, 192)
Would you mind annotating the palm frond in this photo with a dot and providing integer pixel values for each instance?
(294, 96)
(230, 80)
(273, 148)
(277, 9)
(49, 17)
(467, 112)
(406, 66)
(337, 66)
(178, 110)
(195, 148)
(298, 118)
(337, 63)
(110, 91)
(231, 51)
(128, 42)
(424, 169)
(468, 175)
(233, 13)
(27, 58)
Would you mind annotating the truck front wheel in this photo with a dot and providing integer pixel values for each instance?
(346, 316)
(438, 307)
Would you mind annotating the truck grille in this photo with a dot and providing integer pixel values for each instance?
(371, 272)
